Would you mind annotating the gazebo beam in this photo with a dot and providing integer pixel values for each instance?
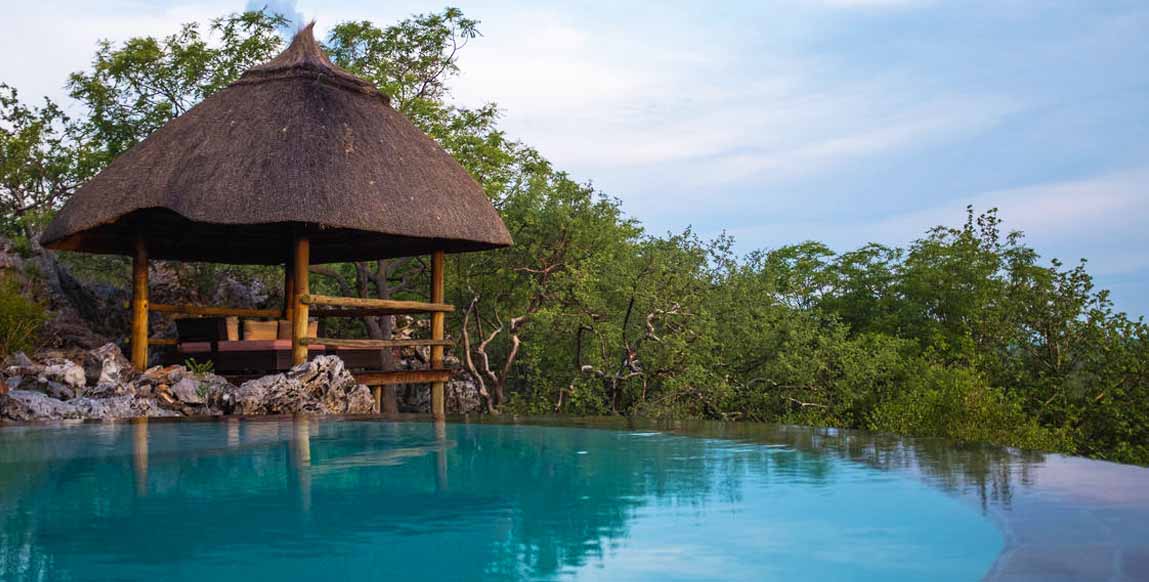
(140, 305)
(438, 400)
(301, 263)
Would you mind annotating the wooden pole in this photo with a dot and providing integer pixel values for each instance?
(438, 400)
(288, 290)
(302, 259)
(140, 305)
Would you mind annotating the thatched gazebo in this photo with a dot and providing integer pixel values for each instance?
(297, 163)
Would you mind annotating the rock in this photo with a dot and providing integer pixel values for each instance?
(321, 386)
(276, 394)
(164, 396)
(163, 375)
(107, 365)
(65, 372)
(360, 401)
(26, 405)
(218, 392)
(58, 391)
(149, 407)
(118, 407)
(113, 390)
(462, 396)
(29, 371)
(461, 392)
(188, 391)
(19, 359)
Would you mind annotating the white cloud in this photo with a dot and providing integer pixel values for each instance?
(1100, 218)
(44, 65)
(285, 8)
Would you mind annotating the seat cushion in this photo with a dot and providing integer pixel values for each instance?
(259, 330)
(284, 328)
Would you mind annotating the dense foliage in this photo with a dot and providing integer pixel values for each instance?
(966, 333)
(20, 318)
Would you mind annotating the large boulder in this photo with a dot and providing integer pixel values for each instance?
(118, 407)
(189, 391)
(26, 405)
(57, 377)
(107, 365)
(65, 372)
(321, 386)
(462, 396)
(19, 370)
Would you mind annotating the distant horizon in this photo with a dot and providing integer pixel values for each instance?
(841, 121)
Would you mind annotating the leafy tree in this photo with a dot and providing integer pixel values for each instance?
(966, 333)
(40, 162)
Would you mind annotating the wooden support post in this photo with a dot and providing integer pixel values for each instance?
(289, 290)
(301, 261)
(438, 400)
(140, 305)
(389, 400)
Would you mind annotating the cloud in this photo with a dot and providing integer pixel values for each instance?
(289, 9)
(1099, 217)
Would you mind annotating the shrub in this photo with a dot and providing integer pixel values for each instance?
(20, 319)
(198, 368)
(958, 404)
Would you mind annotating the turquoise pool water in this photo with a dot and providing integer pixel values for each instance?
(373, 500)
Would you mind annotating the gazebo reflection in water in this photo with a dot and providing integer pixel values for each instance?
(295, 434)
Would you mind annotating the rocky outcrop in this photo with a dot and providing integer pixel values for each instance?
(106, 386)
(27, 405)
(321, 386)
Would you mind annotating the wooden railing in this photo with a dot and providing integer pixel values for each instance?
(189, 309)
(385, 306)
(298, 303)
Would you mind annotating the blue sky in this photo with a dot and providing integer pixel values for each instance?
(777, 121)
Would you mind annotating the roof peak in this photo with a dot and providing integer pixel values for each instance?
(305, 58)
(303, 49)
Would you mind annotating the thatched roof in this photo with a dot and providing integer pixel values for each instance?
(295, 145)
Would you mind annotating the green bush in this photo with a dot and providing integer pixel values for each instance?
(20, 319)
(957, 404)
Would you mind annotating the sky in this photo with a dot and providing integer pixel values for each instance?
(777, 121)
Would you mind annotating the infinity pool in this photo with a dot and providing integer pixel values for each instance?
(373, 500)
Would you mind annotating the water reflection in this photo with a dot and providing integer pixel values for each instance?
(140, 455)
(300, 465)
(479, 501)
(440, 456)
